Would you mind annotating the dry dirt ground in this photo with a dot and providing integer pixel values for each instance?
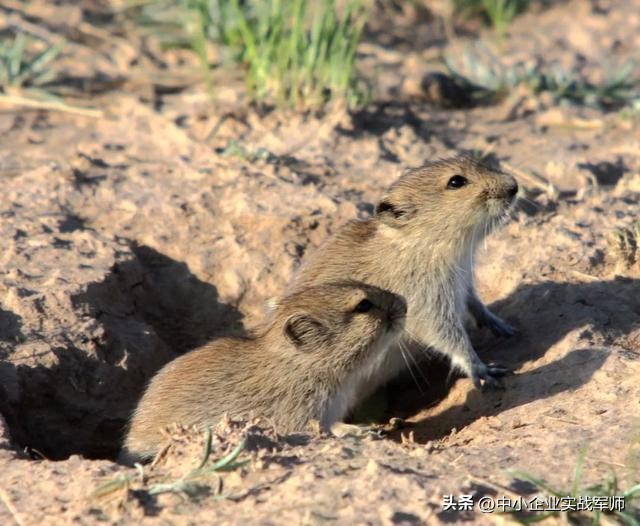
(168, 221)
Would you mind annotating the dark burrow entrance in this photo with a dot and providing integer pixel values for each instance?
(78, 396)
(151, 308)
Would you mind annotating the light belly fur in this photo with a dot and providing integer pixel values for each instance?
(393, 360)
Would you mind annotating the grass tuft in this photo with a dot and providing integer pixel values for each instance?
(487, 79)
(27, 77)
(608, 488)
(190, 484)
(22, 69)
(499, 13)
(296, 53)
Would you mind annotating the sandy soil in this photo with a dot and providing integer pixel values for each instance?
(134, 237)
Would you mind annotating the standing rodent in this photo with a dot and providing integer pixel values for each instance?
(420, 244)
(303, 364)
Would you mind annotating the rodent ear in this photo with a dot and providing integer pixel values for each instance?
(393, 215)
(301, 329)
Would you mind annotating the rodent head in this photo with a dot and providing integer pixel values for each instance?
(340, 320)
(452, 197)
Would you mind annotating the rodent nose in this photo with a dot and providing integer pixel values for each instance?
(398, 307)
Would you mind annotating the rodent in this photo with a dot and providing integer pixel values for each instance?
(302, 364)
(420, 243)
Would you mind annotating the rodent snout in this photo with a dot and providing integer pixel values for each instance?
(397, 311)
(399, 306)
(506, 188)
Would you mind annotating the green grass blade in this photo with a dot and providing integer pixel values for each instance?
(229, 458)
(295, 52)
(207, 449)
(47, 56)
(32, 70)
(632, 492)
(627, 518)
(538, 517)
(16, 55)
(577, 474)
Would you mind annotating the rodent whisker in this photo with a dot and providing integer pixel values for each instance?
(458, 271)
(520, 200)
(404, 351)
(409, 333)
(419, 344)
(506, 216)
(487, 231)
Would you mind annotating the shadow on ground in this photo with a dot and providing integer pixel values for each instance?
(149, 309)
(378, 118)
(544, 313)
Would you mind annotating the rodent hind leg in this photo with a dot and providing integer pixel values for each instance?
(485, 318)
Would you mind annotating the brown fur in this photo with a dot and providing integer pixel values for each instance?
(295, 368)
(420, 244)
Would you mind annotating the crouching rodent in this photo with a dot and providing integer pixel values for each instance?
(304, 364)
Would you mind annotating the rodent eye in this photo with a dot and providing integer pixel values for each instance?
(364, 306)
(457, 181)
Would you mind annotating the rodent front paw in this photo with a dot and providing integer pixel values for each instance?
(488, 376)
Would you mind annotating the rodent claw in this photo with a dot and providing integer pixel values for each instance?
(490, 377)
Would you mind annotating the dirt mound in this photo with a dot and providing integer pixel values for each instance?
(168, 222)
